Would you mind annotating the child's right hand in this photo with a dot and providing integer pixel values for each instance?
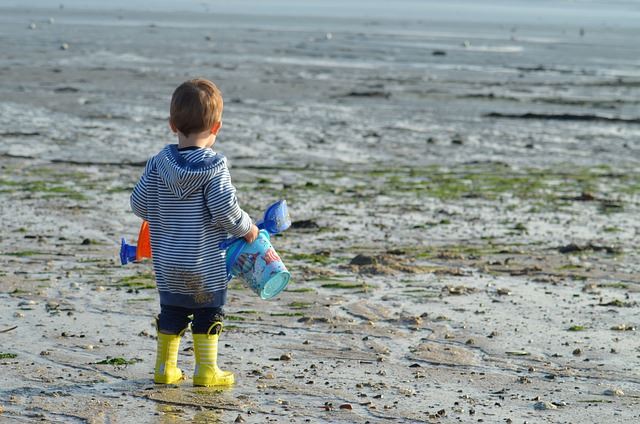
(252, 235)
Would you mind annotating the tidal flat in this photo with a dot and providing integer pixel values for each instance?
(448, 265)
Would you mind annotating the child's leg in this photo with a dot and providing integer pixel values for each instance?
(207, 326)
(205, 318)
(173, 319)
(172, 323)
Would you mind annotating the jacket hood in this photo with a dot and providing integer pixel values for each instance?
(186, 172)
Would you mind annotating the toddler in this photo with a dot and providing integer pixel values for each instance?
(186, 195)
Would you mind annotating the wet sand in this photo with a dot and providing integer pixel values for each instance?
(448, 265)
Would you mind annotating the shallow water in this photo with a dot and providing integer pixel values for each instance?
(366, 91)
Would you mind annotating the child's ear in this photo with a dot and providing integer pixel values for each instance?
(173, 127)
(216, 127)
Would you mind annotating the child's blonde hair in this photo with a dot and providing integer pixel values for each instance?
(196, 106)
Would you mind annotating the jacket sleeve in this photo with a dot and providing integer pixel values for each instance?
(222, 203)
(138, 197)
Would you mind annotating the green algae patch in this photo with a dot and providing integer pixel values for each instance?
(8, 355)
(118, 361)
(300, 305)
(314, 258)
(139, 282)
(301, 290)
(286, 314)
(347, 286)
(619, 304)
(518, 353)
(614, 285)
(577, 328)
(46, 189)
(24, 253)
(234, 318)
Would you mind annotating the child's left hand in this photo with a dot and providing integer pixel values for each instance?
(252, 235)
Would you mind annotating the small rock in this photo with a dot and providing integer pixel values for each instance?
(18, 315)
(346, 406)
(543, 405)
(363, 260)
(439, 53)
(64, 46)
(585, 196)
(32, 25)
(623, 327)
(457, 140)
(577, 352)
(51, 21)
(470, 342)
(239, 419)
(306, 224)
(285, 356)
(613, 392)
(85, 241)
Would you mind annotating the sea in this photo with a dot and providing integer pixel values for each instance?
(328, 83)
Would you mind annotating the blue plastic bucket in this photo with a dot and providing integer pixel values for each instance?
(258, 266)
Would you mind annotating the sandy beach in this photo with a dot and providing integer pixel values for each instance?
(464, 199)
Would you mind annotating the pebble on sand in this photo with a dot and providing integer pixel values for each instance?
(544, 405)
(285, 357)
(64, 46)
(613, 392)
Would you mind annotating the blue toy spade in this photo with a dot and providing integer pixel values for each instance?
(276, 219)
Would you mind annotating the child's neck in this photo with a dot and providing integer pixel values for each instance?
(200, 140)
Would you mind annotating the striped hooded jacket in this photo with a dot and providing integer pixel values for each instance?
(191, 206)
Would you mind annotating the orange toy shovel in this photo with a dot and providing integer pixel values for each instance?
(130, 253)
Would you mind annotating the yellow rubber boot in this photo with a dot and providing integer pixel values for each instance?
(167, 371)
(205, 347)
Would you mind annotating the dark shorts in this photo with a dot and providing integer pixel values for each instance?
(174, 319)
